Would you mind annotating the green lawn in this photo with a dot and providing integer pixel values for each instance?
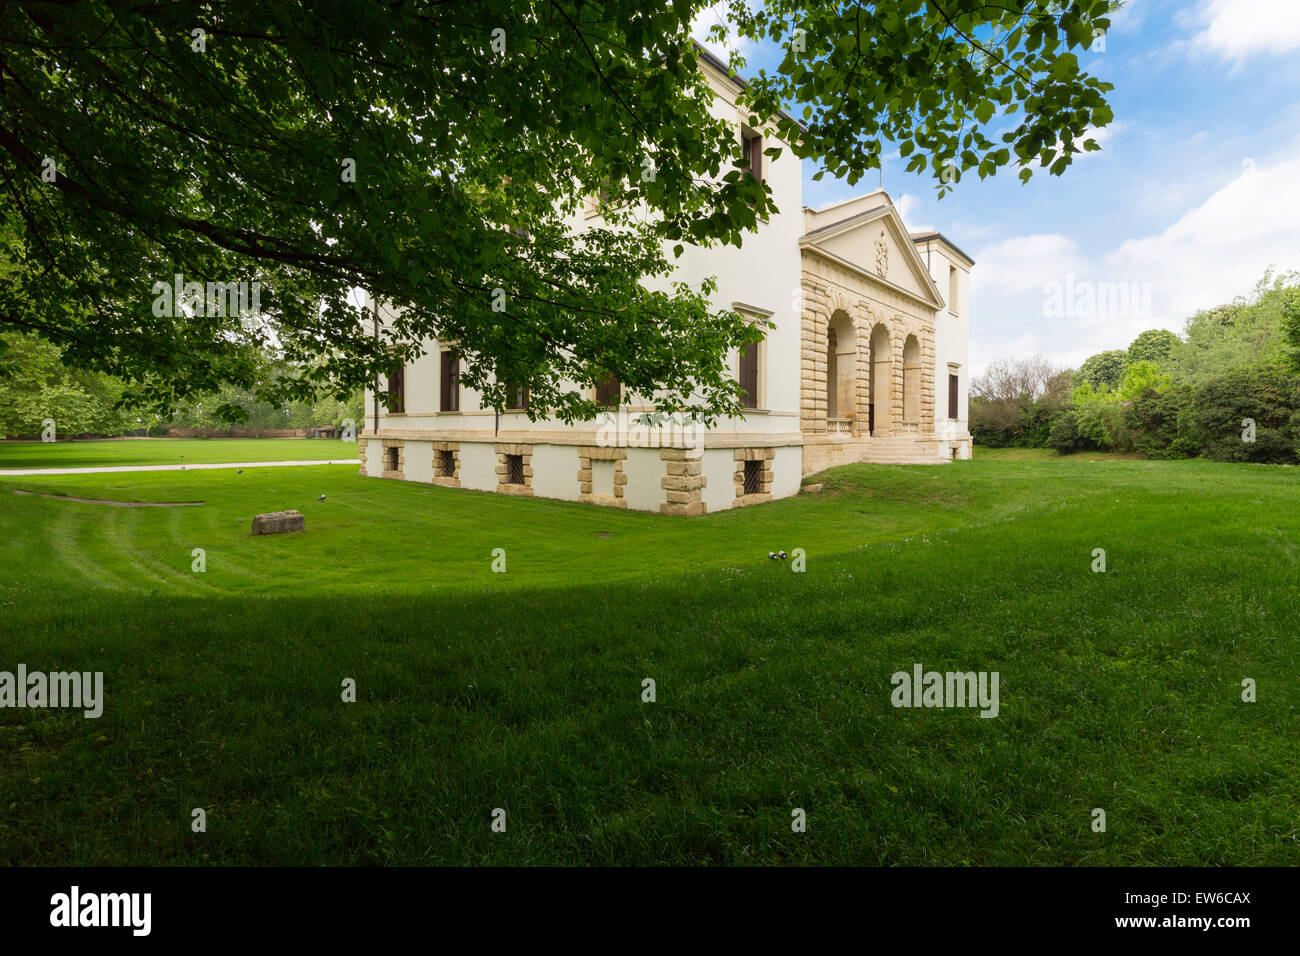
(168, 451)
(522, 690)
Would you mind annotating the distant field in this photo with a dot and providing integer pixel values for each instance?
(523, 690)
(168, 451)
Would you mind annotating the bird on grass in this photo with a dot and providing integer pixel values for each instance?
(321, 498)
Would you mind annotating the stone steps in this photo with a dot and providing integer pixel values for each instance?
(901, 451)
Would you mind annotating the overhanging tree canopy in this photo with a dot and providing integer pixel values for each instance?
(429, 152)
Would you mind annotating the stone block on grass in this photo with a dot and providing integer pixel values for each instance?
(278, 522)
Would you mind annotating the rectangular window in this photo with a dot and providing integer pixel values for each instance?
(608, 391)
(516, 397)
(753, 477)
(446, 464)
(749, 374)
(952, 289)
(391, 459)
(514, 469)
(397, 389)
(450, 374)
(752, 151)
(952, 397)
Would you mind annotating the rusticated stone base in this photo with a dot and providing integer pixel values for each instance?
(589, 453)
(386, 459)
(526, 453)
(683, 483)
(765, 455)
(440, 475)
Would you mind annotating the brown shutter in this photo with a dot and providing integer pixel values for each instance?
(516, 397)
(397, 388)
(450, 385)
(952, 397)
(756, 157)
(749, 374)
(607, 392)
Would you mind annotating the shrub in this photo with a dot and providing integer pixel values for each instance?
(1262, 394)
(1153, 422)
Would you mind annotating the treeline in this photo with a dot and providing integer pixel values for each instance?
(1227, 388)
(36, 386)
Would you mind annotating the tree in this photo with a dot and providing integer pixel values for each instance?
(1104, 370)
(1262, 396)
(429, 153)
(1140, 376)
(36, 386)
(1249, 331)
(1013, 401)
(1153, 345)
(1157, 421)
(1291, 324)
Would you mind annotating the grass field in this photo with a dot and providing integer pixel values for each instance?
(522, 690)
(169, 451)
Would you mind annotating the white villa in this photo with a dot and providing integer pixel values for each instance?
(864, 360)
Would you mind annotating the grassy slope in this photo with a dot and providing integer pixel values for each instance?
(168, 451)
(522, 690)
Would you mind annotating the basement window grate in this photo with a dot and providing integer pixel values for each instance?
(514, 469)
(391, 454)
(753, 477)
(446, 464)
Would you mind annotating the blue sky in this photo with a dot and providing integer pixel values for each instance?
(1196, 191)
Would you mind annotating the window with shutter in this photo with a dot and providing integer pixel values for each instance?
(516, 397)
(607, 392)
(450, 376)
(749, 374)
(397, 389)
(752, 150)
(952, 397)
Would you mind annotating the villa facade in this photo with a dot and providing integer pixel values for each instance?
(864, 360)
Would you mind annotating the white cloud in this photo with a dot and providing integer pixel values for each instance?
(1025, 263)
(1219, 249)
(1211, 254)
(1235, 29)
(907, 204)
(709, 17)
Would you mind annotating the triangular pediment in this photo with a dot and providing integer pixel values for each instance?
(875, 243)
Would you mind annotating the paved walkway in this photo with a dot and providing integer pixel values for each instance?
(195, 467)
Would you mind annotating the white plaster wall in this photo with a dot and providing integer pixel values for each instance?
(764, 274)
(478, 466)
(787, 471)
(645, 471)
(720, 470)
(951, 341)
(417, 460)
(555, 471)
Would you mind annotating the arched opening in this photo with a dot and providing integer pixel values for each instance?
(878, 382)
(832, 388)
(841, 372)
(911, 380)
